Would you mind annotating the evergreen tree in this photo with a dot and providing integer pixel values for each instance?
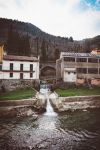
(43, 51)
(57, 53)
(26, 46)
(71, 39)
(18, 45)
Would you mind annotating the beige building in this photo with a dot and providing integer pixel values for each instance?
(71, 67)
(95, 51)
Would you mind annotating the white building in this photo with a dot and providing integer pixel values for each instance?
(19, 67)
(69, 75)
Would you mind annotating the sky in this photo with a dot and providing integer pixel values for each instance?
(77, 18)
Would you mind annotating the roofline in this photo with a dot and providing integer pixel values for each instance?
(20, 58)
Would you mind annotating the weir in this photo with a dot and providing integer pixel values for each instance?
(45, 90)
(49, 108)
(49, 119)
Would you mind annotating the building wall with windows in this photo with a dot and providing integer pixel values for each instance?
(16, 67)
(87, 66)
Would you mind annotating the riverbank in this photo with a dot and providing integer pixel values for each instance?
(21, 108)
(18, 94)
(73, 103)
(29, 93)
(61, 104)
(82, 91)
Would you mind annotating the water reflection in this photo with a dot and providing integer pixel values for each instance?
(88, 120)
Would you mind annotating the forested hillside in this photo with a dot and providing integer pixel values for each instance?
(22, 38)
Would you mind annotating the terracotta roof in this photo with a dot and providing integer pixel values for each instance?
(19, 58)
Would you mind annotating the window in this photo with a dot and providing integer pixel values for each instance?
(81, 59)
(69, 59)
(21, 67)
(0, 67)
(82, 70)
(31, 67)
(31, 75)
(93, 60)
(93, 70)
(11, 66)
(11, 74)
(21, 75)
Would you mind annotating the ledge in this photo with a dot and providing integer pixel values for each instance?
(63, 104)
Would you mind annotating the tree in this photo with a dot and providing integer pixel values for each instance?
(17, 44)
(71, 39)
(43, 51)
(26, 46)
(57, 53)
(37, 45)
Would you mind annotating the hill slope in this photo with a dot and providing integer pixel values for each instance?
(22, 38)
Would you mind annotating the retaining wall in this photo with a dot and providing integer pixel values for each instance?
(9, 85)
(63, 104)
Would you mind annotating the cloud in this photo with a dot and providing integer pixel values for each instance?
(57, 17)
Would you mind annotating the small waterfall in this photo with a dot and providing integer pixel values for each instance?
(49, 108)
(45, 90)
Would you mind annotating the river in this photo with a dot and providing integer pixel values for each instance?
(78, 130)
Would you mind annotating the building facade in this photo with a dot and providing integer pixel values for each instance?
(73, 66)
(95, 51)
(19, 67)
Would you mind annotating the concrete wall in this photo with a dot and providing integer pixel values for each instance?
(58, 68)
(81, 64)
(88, 76)
(63, 104)
(69, 76)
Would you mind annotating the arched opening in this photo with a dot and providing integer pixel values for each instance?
(48, 72)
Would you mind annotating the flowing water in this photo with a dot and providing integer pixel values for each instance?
(49, 108)
(78, 130)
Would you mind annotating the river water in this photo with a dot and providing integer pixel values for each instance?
(78, 130)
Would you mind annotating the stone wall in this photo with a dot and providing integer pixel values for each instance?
(9, 85)
(63, 104)
(80, 81)
(95, 82)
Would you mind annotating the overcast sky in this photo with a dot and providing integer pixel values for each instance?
(77, 18)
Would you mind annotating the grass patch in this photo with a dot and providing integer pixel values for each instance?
(78, 92)
(18, 94)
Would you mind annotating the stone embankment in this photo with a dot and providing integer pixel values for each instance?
(63, 104)
(25, 107)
